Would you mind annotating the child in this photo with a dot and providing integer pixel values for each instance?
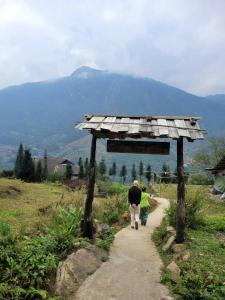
(144, 206)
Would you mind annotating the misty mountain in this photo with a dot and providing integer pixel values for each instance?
(43, 114)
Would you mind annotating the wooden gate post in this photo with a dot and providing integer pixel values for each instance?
(87, 224)
(180, 213)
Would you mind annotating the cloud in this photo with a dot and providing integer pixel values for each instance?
(175, 41)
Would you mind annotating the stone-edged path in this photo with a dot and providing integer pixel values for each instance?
(133, 269)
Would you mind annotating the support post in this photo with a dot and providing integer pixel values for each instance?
(87, 224)
(180, 213)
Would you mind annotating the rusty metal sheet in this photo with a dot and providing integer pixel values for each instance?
(142, 147)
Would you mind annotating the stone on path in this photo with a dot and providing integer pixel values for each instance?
(175, 271)
(169, 243)
(133, 270)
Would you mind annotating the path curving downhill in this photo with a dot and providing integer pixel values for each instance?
(133, 269)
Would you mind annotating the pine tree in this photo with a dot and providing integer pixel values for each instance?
(45, 168)
(141, 169)
(102, 168)
(123, 173)
(19, 162)
(28, 167)
(148, 173)
(86, 167)
(133, 172)
(81, 166)
(114, 168)
(165, 174)
(69, 171)
(38, 172)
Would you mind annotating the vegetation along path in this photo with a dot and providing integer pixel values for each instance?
(133, 269)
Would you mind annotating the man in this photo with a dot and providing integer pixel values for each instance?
(134, 199)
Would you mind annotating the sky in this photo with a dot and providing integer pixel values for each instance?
(179, 42)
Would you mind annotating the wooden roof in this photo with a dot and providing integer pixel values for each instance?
(220, 166)
(109, 126)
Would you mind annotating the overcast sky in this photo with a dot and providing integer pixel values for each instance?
(180, 42)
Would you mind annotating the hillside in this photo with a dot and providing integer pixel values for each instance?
(43, 114)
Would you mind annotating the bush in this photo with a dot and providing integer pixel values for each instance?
(193, 208)
(7, 173)
(111, 188)
(200, 179)
(55, 177)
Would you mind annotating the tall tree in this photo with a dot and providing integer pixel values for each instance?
(45, 167)
(28, 167)
(69, 171)
(86, 167)
(102, 168)
(141, 169)
(148, 173)
(81, 166)
(18, 169)
(123, 173)
(165, 174)
(38, 171)
(114, 168)
(133, 172)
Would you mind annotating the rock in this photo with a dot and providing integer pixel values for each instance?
(186, 256)
(175, 271)
(168, 243)
(170, 230)
(74, 270)
(179, 248)
(103, 230)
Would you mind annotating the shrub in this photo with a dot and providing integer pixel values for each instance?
(200, 179)
(193, 207)
(7, 173)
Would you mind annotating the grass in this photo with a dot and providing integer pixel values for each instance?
(202, 277)
(31, 204)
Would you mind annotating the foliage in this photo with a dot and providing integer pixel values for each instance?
(45, 168)
(141, 169)
(38, 172)
(7, 173)
(86, 166)
(19, 162)
(193, 209)
(106, 242)
(112, 170)
(148, 173)
(102, 169)
(200, 179)
(55, 177)
(123, 173)
(165, 174)
(133, 172)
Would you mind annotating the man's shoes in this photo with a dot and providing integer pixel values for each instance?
(136, 225)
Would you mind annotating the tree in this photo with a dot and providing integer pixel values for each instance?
(86, 167)
(38, 172)
(45, 168)
(148, 173)
(112, 170)
(165, 174)
(102, 168)
(19, 162)
(69, 171)
(141, 169)
(133, 172)
(123, 173)
(81, 166)
(28, 167)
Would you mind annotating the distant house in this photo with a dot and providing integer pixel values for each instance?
(219, 174)
(58, 165)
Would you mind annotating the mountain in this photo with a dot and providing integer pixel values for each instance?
(219, 98)
(43, 114)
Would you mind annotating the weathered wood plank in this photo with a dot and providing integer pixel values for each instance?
(162, 130)
(143, 147)
(182, 128)
(173, 133)
(107, 123)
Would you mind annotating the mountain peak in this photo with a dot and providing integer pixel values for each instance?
(85, 72)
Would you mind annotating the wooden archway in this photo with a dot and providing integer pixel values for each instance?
(136, 127)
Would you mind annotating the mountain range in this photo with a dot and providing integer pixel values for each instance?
(42, 115)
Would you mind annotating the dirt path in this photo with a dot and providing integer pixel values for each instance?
(133, 270)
